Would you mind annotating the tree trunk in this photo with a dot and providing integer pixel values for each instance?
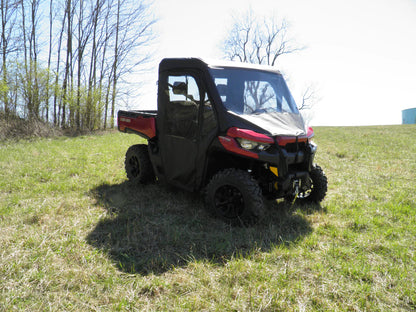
(49, 61)
(67, 62)
(115, 64)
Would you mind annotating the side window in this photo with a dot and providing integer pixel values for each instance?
(221, 84)
(183, 88)
(231, 94)
(182, 108)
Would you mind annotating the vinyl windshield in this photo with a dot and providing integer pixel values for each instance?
(251, 91)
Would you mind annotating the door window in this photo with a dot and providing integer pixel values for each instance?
(182, 107)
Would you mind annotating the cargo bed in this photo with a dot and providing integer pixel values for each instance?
(139, 122)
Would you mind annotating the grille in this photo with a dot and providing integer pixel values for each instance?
(294, 147)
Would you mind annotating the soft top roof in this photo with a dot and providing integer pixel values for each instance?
(193, 62)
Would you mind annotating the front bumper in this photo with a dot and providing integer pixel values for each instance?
(287, 160)
(288, 168)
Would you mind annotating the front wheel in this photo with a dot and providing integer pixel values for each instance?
(235, 197)
(319, 187)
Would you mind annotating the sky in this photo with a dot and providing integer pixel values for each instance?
(360, 55)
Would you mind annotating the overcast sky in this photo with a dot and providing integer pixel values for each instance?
(360, 55)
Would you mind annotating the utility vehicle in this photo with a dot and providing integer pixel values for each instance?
(231, 130)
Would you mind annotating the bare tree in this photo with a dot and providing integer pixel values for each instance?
(30, 80)
(8, 17)
(69, 9)
(84, 32)
(105, 35)
(309, 98)
(56, 93)
(115, 63)
(34, 64)
(49, 58)
(262, 41)
(92, 106)
(133, 30)
(258, 41)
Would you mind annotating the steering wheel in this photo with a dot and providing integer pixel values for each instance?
(259, 111)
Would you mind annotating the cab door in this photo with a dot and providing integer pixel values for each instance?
(179, 105)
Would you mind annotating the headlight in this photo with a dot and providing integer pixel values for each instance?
(250, 145)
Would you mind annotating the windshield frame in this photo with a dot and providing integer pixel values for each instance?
(239, 87)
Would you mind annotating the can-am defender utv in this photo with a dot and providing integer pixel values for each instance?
(231, 130)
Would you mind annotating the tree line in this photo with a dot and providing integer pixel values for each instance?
(63, 61)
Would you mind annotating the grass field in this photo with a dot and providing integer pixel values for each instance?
(75, 236)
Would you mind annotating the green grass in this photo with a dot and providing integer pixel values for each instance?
(75, 236)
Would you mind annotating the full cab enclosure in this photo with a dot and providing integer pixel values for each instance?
(230, 130)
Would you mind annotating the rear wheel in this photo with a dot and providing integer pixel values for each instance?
(235, 197)
(138, 166)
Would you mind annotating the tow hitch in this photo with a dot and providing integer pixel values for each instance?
(296, 185)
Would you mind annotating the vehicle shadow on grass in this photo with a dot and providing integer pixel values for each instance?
(153, 228)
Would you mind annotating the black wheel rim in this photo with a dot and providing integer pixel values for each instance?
(229, 201)
(305, 194)
(134, 166)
